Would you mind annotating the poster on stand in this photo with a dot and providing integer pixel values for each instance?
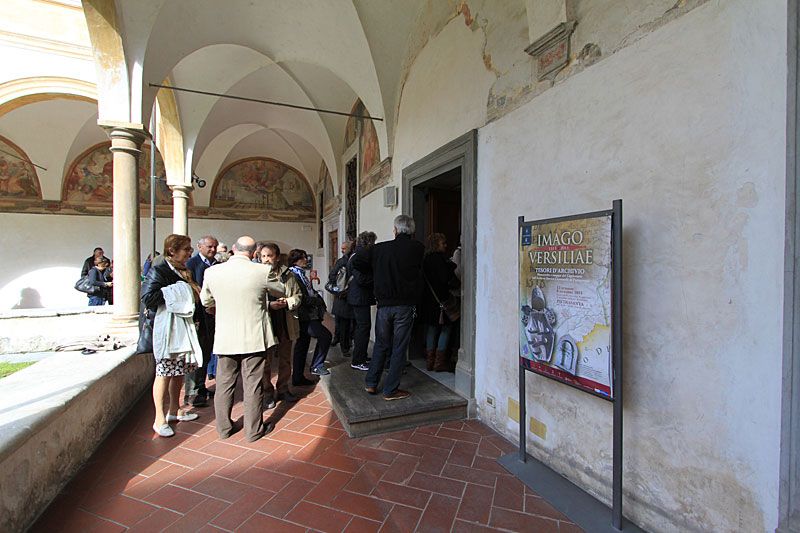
(565, 300)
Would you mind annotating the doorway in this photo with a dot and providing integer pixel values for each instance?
(440, 192)
(333, 248)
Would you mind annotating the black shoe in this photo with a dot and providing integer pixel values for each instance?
(196, 401)
(269, 403)
(287, 397)
(303, 382)
(335, 341)
(320, 371)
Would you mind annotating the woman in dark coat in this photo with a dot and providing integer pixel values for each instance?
(438, 272)
(310, 314)
(98, 279)
(342, 312)
(169, 372)
(361, 300)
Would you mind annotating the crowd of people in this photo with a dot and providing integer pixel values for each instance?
(221, 314)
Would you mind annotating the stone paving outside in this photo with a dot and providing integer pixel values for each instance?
(306, 475)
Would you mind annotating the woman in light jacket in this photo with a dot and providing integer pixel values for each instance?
(170, 371)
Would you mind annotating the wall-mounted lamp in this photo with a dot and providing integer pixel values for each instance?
(200, 181)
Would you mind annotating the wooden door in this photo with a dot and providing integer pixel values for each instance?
(333, 250)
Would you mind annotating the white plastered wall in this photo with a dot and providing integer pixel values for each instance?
(46, 252)
(687, 127)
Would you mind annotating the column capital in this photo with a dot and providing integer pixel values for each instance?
(181, 191)
(125, 137)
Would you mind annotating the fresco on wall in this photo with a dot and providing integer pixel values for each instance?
(265, 185)
(18, 179)
(91, 176)
(330, 201)
(372, 175)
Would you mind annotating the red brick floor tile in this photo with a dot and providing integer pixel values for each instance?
(108, 527)
(432, 441)
(476, 426)
(360, 505)
(260, 523)
(157, 521)
(339, 462)
(148, 486)
(449, 487)
(323, 431)
(403, 447)
(318, 518)
(408, 496)
(311, 452)
(374, 455)
(539, 507)
(210, 529)
(285, 500)
(401, 470)
(184, 457)
(102, 493)
(491, 465)
(291, 437)
(476, 504)
(196, 475)
(264, 445)
(330, 486)
(373, 441)
(199, 517)
(433, 461)
(124, 510)
(439, 514)
(459, 526)
(144, 465)
(72, 520)
(401, 435)
(428, 430)
(175, 499)
(514, 521)
(240, 465)
(367, 478)
(200, 442)
(402, 520)
(242, 509)
(487, 449)
(299, 423)
(312, 409)
(265, 479)
(453, 424)
(455, 434)
(302, 470)
(279, 456)
(463, 453)
(223, 449)
(502, 444)
(221, 488)
(361, 525)
(510, 493)
(471, 475)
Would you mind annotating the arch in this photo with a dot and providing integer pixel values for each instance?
(267, 187)
(20, 92)
(170, 137)
(11, 183)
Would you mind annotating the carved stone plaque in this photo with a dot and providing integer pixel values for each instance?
(551, 50)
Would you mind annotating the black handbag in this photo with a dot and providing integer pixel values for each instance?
(450, 308)
(85, 285)
(145, 344)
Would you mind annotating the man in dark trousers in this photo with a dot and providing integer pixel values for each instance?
(396, 268)
(195, 392)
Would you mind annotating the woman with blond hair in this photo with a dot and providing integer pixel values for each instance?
(171, 296)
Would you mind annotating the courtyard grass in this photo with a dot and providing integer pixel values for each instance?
(6, 369)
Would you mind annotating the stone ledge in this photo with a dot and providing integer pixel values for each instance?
(53, 415)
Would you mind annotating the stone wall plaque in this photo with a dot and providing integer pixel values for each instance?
(551, 50)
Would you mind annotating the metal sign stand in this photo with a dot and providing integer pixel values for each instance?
(616, 355)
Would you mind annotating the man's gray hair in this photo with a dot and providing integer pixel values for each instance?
(209, 237)
(404, 224)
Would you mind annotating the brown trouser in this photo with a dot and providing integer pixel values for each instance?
(251, 366)
(284, 352)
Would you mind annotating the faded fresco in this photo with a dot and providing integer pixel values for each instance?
(371, 176)
(18, 179)
(330, 200)
(91, 176)
(263, 184)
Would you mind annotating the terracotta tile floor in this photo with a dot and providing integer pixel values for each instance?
(307, 475)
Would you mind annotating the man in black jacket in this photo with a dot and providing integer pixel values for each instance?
(396, 268)
(89, 263)
(195, 392)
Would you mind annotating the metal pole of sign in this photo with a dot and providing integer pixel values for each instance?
(616, 353)
(153, 183)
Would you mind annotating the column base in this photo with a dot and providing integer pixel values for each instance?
(124, 322)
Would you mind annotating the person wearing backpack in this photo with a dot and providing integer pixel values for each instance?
(361, 300)
(343, 315)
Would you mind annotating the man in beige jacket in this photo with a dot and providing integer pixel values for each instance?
(237, 292)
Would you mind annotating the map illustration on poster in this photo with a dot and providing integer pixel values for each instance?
(565, 300)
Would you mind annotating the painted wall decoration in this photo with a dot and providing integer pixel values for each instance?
(330, 200)
(89, 180)
(264, 185)
(18, 178)
(373, 174)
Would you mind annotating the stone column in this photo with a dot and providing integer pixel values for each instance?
(180, 209)
(126, 141)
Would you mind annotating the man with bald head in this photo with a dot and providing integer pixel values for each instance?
(236, 291)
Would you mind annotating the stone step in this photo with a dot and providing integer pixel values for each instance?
(364, 414)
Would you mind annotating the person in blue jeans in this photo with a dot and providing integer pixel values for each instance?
(396, 268)
(97, 277)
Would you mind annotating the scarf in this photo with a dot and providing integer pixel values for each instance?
(186, 274)
(302, 275)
